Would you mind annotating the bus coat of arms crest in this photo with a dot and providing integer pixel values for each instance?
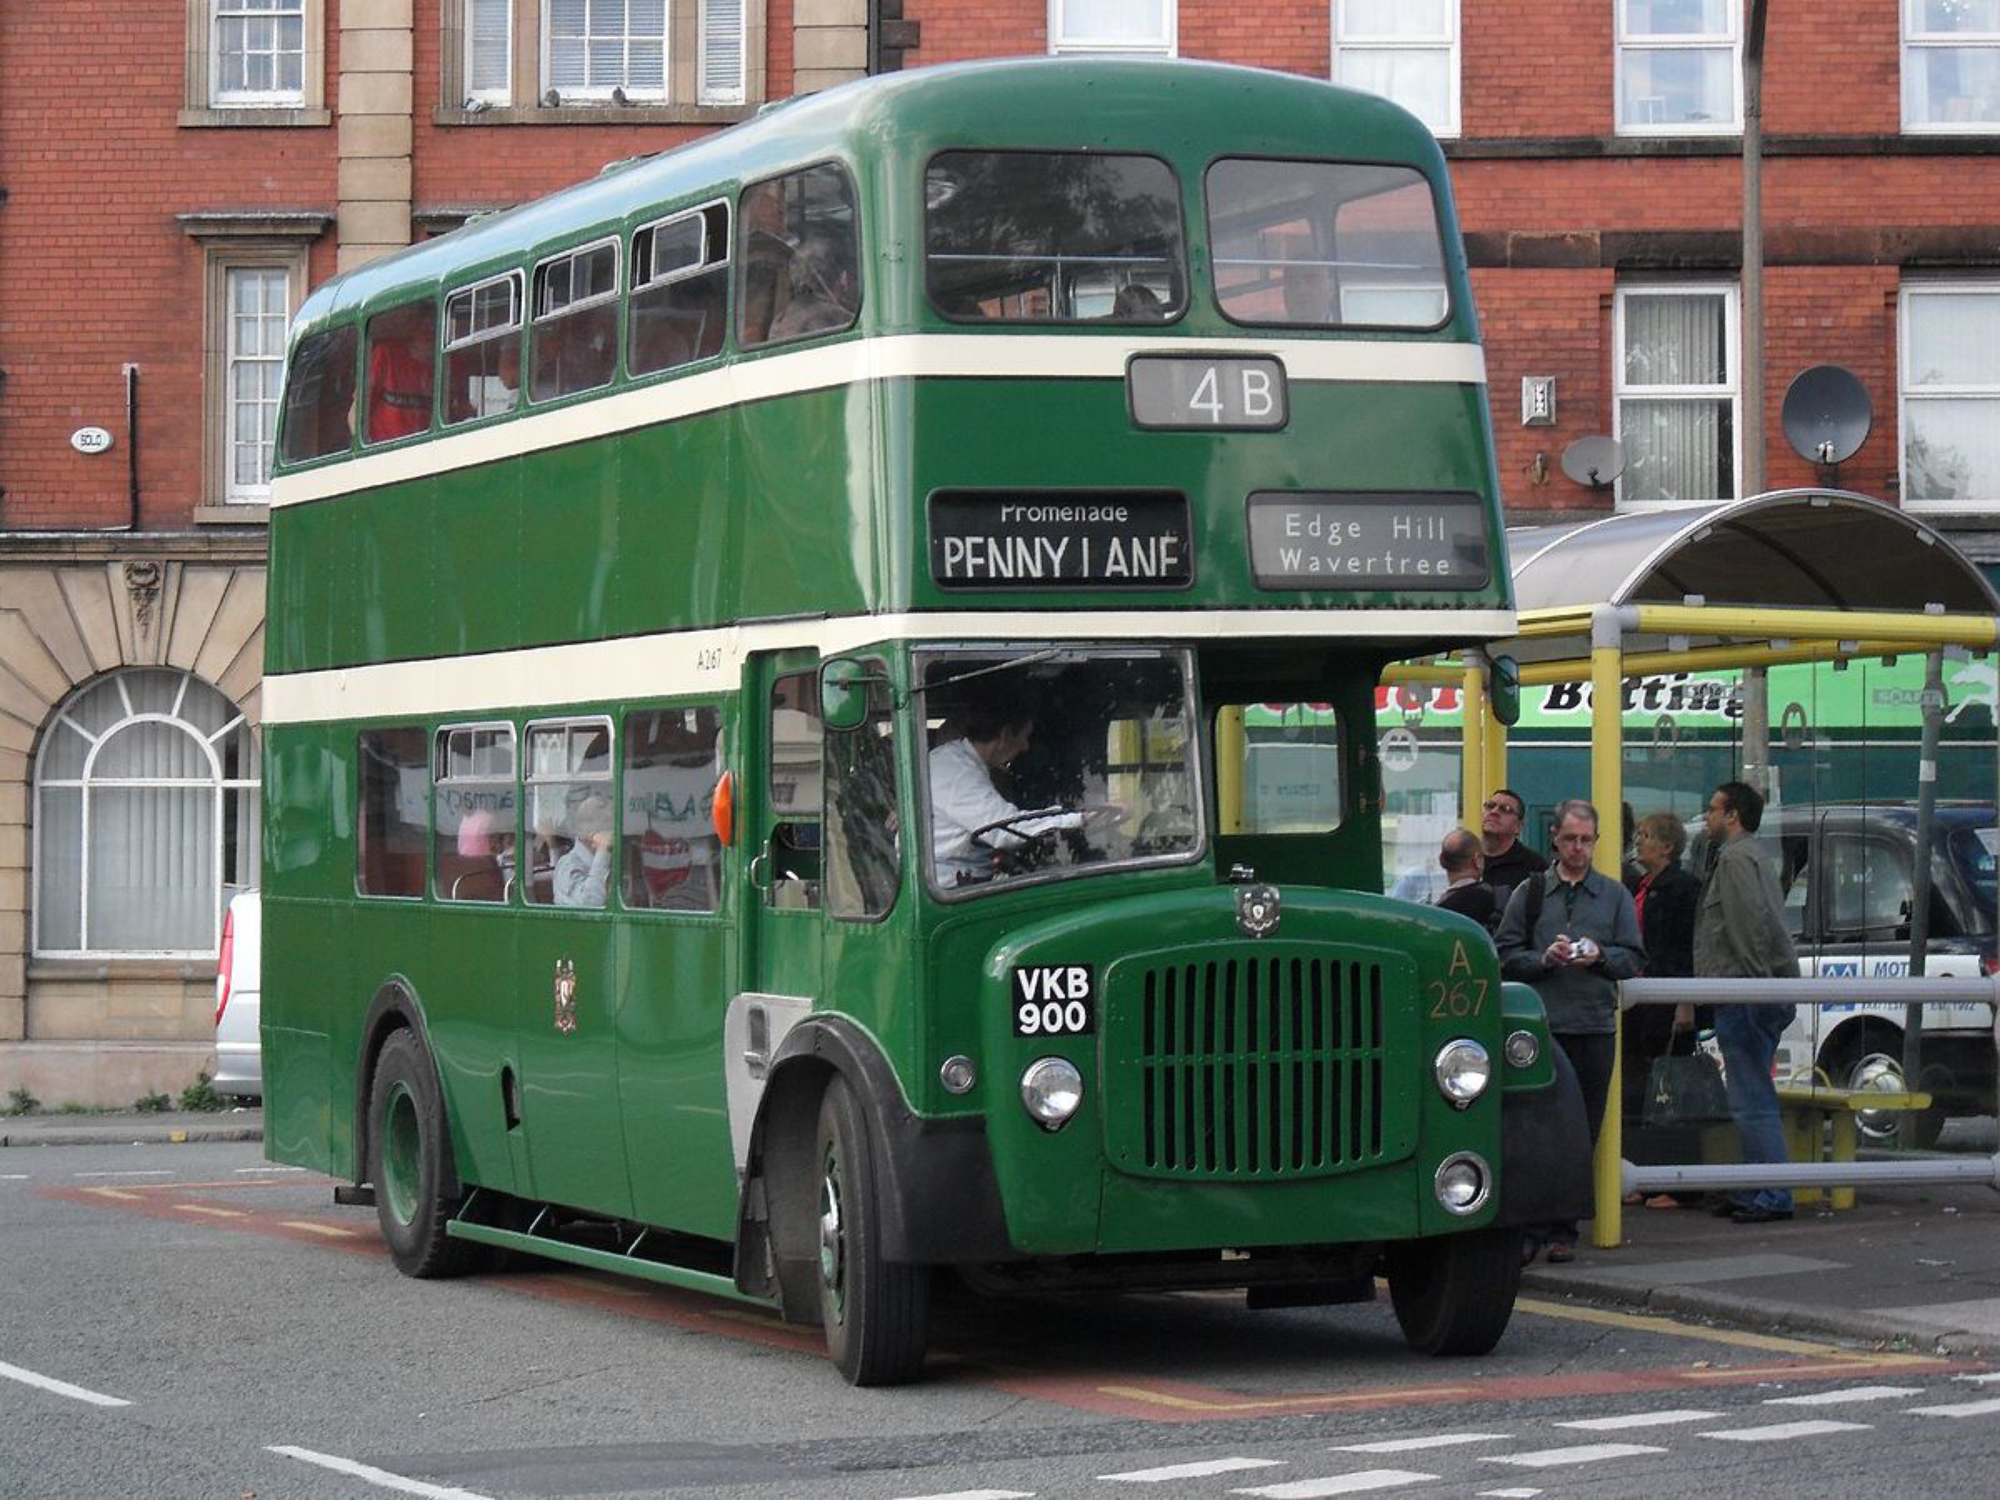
(565, 996)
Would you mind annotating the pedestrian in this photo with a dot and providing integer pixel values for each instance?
(1573, 934)
(1465, 892)
(1508, 860)
(1664, 897)
(1739, 933)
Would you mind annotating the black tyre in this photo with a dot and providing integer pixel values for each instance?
(409, 1161)
(1454, 1294)
(876, 1312)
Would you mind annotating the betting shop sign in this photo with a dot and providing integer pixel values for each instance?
(1036, 539)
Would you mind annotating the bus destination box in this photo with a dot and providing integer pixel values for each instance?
(1318, 539)
(1040, 539)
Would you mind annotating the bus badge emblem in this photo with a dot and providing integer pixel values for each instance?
(565, 996)
(1257, 910)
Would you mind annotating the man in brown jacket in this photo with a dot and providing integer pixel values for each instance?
(1739, 933)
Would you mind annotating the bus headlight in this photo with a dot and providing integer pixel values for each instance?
(1463, 1184)
(1463, 1070)
(1522, 1049)
(1051, 1091)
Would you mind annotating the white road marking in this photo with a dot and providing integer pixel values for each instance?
(1987, 1379)
(1852, 1393)
(375, 1476)
(1194, 1470)
(1587, 1453)
(59, 1387)
(978, 1495)
(1958, 1409)
(13, 1176)
(245, 1171)
(160, 1172)
(1783, 1432)
(1339, 1484)
(1640, 1419)
(1411, 1445)
(1520, 1494)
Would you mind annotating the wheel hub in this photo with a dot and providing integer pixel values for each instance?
(832, 1241)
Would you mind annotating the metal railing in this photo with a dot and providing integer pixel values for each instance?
(1615, 1176)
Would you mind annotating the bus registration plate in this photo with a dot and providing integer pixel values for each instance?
(1195, 391)
(1054, 1000)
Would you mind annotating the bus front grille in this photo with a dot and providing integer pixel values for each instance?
(1266, 1067)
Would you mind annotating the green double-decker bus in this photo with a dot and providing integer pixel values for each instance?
(819, 715)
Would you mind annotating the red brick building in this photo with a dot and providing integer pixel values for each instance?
(173, 190)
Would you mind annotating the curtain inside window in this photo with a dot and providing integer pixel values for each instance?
(1679, 447)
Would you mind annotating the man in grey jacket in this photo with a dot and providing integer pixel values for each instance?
(1572, 934)
(1739, 933)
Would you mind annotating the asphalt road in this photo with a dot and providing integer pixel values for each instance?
(261, 1340)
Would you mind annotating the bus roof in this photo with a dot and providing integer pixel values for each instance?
(1077, 104)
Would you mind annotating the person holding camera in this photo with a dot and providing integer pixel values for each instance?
(1573, 934)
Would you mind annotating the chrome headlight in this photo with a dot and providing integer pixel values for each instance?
(1051, 1091)
(1463, 1184)
(1463, 1070)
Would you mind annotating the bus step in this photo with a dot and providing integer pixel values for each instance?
(354, 1195)
(604, 1260)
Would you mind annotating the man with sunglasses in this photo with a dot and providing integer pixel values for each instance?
(1508, 860)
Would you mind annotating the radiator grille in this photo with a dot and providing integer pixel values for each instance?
(1264, 1066)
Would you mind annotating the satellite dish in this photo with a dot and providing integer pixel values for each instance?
(1594, 461)
(1827, 414)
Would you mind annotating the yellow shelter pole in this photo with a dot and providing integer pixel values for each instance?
(1473, 716)
(1715, 658)
(1607, 789)
(1231, 750)
(1496, 754)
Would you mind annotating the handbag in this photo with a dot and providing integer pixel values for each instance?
(1685, 1090)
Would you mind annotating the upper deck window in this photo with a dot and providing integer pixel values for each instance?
(319, 396)
(1053, 237)
(402, 365)
(1326, 244)
(482, 349)
(576, 322)
(800, 261)
(680, 278)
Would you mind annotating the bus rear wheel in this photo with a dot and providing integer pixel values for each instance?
(876, 1312)
(1454, 1294)
(409, 1147)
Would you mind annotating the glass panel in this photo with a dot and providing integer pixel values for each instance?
(1045, 237)
(1295, 241)
(319, 396)
(1395, 18)
(1419, 79)
(152, 869)
(395, 791)
(1056, 766)
(570, 815)
(1957, 16)
(793, 774)
(1951, 449)
(1868, 887)
(678, 322)
(1291, 768)
(1677, 17)
(482, 379)
(152, 751)
(1954, 339)
(1676, 340)
(1678, 450)
(59, 869)
(671, 856)
(62, 752)
(205, 708)
(401, 365)
(488, 47)
(800, 257)
(864, 830)
(151, 691)
(575, 347)
(1972, 851)
(1952, 85)
(1678, 86)
(1113, 21)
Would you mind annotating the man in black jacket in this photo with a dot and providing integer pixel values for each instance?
(1465, 892)
(1508, 860)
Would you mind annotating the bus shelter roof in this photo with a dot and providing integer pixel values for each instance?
(1817, 549)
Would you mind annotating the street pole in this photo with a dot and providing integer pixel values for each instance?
(1753, 251)
(1920, 885)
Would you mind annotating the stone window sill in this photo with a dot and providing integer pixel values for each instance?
(232, 515)
(258, 119)
(87, 970)
(597, 114)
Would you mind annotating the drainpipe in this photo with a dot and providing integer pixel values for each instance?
(1753, 251)
(132, 445)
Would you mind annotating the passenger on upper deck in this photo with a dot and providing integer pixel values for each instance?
(400, 370)
(824, 291)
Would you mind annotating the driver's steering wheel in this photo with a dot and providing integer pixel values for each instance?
(1095, 815)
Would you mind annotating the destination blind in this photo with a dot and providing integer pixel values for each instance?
(1040, 539)
(1329, 539)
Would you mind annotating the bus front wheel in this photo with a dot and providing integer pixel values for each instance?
(1454, 1294)
(409, 1147)
(876, 1312)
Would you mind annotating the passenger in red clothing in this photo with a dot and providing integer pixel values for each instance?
(400, 370)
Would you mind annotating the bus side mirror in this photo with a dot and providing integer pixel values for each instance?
(843, 693)
(1503, 687)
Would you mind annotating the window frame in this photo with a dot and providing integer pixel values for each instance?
(1732, 389)
(716, 259)
(1913, 42)
(441, 777)
(502, 95)
(517, 330)
(84, 783)
(610, 778)
(218, 396)
(1906, 393)
(200, 107)
(1449, 42)
(718, 708)
(1624, 43)
(538, 320)
(599, 94)
(1166, 45)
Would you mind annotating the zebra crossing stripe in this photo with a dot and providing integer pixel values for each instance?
(1640, 1419)
(1194, 1470)
(1587, 1453)
(1783, 1432)
(1958, 1409)
(1411, 1445)
(1339, 1484)
(1852, 1393)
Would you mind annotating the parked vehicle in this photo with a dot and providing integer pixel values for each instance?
(239, 1053)
(1849, 876)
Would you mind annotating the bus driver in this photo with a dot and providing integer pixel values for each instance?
(963, 797)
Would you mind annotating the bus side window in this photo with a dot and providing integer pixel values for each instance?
(794, 788)
(670, 852)
(390, 838)
(800, 256)
(402, 347)
(570, 814)
(680, 280)
(472, 811)
(482, 349)
(319, 396)
(576, 322)
(863, 824)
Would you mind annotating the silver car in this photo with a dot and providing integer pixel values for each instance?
(239, 1054)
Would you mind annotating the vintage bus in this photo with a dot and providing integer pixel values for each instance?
(783, 666)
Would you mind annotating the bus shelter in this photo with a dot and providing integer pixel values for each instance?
(1793, 576)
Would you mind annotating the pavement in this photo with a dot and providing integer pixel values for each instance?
(1916, 1268)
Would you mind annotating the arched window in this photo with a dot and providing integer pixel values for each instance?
(145, 817)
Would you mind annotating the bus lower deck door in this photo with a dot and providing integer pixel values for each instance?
(782, 925)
